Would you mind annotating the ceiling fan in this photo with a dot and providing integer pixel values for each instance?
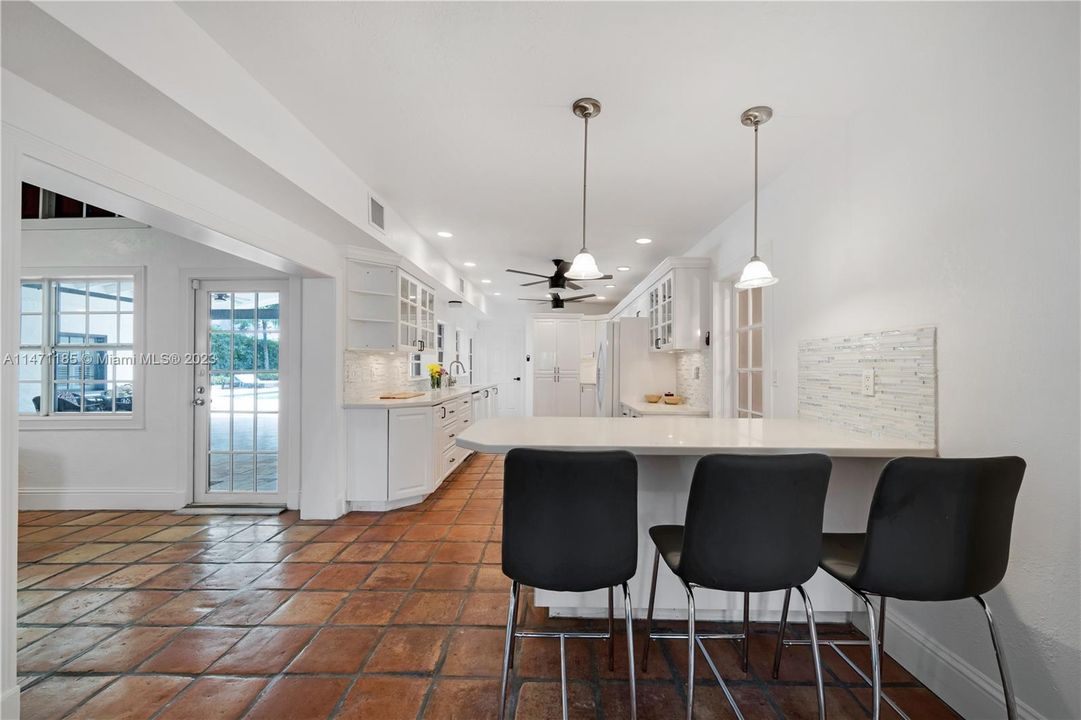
(557, 301)
(557, 280)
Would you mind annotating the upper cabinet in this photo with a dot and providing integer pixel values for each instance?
(388, 309)
(675, 299)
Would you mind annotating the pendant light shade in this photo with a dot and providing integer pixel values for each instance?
(584, 266)
(755, 273)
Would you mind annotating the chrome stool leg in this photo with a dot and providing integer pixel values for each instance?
(611, 636)
(630, 650)
(882, 623)
(876, 669)
(649, 613)
(814, 649)
(690, 652)
(780, 634)
(1003, 670)
(508, 645)
(746, 629)
(514, 627)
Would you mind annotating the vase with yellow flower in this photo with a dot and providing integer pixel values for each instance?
(435, 374)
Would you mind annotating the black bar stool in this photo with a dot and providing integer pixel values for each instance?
(939, 529)
(753, 524)
(570, 524)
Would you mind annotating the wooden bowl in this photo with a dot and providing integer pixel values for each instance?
(653, 398)
(673, 400)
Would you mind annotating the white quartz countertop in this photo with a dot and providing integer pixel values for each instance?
(364, 399)
(667, 435)
(660, 408)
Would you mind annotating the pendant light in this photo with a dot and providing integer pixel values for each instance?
(755, 273)
(584, 266)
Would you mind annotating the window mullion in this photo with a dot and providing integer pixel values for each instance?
(48, 348)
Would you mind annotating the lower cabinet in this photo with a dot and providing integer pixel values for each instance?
(588, 400)
(556, 396)
(397, 456)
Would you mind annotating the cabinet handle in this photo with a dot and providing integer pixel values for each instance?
(657, 343)
(420, 344)
(451, 459)
(452, 435)
(444, 415)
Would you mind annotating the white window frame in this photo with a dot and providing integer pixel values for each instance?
(440, 342)
(741, 333)
(47, 420)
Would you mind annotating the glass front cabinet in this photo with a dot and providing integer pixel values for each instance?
(679, 307)
(388, 309)
(416, 315)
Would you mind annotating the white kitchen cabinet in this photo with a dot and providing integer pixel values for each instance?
(410, 469)
(556, 396)
(556, 346)
(587, 339)
(679, 310)
(388, 309)
(588, 401)
(544, 396)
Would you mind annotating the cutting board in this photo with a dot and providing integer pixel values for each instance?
(400, 395)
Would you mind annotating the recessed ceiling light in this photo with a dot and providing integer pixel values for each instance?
(644, 241)
(609, 286)
(623, 268)
(601, 297)
(444, 233)
(486, 281)
(497, 293)
(469, 263)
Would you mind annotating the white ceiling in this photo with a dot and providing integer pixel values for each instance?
(459, 113)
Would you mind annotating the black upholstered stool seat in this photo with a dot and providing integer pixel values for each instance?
(841, 553)
(938, 530)
(669, 542)
(753, 524)
(570, 524)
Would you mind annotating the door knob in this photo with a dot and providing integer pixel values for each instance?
(198, 402)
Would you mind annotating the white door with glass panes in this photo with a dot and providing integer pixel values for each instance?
(750, 362)
(237, 395)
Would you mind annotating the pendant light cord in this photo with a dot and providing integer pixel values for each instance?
(585, 169)
(756, 190)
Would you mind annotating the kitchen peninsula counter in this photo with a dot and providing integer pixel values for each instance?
(667, 449)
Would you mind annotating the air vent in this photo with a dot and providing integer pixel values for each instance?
(375, 213)
(461, 286)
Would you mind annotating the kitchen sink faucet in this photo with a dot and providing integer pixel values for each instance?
(451, 382)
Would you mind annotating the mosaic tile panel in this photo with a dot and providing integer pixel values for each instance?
(905, 400)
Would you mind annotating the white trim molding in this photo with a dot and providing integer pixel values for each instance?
(108, 498)
(967, 689)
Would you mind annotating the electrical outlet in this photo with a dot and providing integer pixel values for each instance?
(869, 382)
(776, 378)
(697, 371)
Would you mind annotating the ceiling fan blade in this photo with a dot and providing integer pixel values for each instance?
(562, 266)
(573, 286)
(576, 298)
(535, 300)
(538, 282)
(523, 272)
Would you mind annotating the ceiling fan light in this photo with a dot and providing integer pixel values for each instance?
(584, 267)
(755, 274)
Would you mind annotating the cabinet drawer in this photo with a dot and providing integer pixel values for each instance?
(448, 434)
(452, 458)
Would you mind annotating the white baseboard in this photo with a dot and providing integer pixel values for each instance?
(383, 505)
(66, 498)
(9, 704)
(967, 689)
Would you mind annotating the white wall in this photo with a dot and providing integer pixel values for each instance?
(140, 468)
(958, 206)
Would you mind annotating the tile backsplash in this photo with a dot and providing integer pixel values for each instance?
(901, 365)
(696, 391)
(368, 373)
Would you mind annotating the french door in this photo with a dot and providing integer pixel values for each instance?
(237, 394)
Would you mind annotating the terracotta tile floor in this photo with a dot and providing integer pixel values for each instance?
(132, 615)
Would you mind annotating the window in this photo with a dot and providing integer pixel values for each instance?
(469, 364)
(77, 346)
(750, 365)
(440, 342)
(414, 365)
(40, 204)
